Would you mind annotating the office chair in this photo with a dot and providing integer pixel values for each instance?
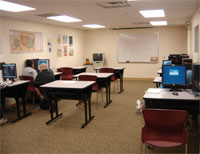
(164, 128)
(109, 70)
(30, 89)
(67, 73)
(95, 87)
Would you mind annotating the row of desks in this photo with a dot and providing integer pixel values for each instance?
(60, 89)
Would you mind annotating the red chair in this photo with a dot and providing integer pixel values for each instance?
(67, 73)
(95, 87)
(30, 88)
(164, 128)
(109, 70)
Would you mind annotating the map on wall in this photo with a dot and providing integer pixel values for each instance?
(22, 41)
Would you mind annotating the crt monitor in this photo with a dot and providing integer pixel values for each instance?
(98, 57)
(46, 61)
(9, 71)
(167, 62)
(173, 76)
(176, 59)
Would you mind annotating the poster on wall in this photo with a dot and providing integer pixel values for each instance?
(70, 41)
(25, 42)
(196, 39)
(49, 45)
(65, 39)
(59, 53)
(65, 50)
(71, 51)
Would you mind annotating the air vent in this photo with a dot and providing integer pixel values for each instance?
(48, 15)
(113, 4)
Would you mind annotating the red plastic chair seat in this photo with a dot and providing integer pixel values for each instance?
(67, 73)
(95, 87)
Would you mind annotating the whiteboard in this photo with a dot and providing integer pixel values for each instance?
(138, 47)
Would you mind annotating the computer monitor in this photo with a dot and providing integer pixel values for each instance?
(45, 61)
(173, 76)
(167, 62)
(176, 59)
(98, 57)
(1, 63)
(9, 71)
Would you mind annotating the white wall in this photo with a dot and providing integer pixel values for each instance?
(172, 40)
(48, 32)
(194, 22)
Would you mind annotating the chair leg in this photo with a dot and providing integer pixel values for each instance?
(186, 149)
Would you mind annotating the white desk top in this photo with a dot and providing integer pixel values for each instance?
(77, 67)
(18, 82)
(115, 68)
(157, 79)
(99, 75)
(186, 94)
(57, 73)
(159, 71)
(69, 84)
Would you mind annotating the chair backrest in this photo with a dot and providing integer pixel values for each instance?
(90, 78)
(30, 85)
(108, 70)
(67, 73)
(164, 125)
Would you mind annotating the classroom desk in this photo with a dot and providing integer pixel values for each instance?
(57, 75)
(119, 72)
(185, 100)
(73, 90)
(159, 71)
(79, 69)
(157, 80)
(103, 80)
(17, 90)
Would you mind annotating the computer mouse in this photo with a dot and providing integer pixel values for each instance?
(175, 93)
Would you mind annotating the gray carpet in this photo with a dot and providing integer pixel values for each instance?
(115, 129)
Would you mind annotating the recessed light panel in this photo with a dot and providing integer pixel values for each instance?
(12, 7)
(94, 26)
(64, 18)
(152, 13)
(158, 23)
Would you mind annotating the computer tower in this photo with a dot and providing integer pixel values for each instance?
(196, 77)
(175, 58)
(188, 63)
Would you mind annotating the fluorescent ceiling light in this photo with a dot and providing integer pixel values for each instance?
(152, 13)
(64, 18)
(158, 23)
(12, 7)
(94, 26)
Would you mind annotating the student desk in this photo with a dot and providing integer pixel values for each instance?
(185, 100)
(159, 71)
(17, 90)
(57, 75)
(73, 90)
(103, 80)
(157, 81)
(79, 69)
(119, 72)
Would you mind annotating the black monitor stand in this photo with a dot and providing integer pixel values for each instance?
(174, 88)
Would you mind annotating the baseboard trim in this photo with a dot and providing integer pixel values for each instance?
(139, 79)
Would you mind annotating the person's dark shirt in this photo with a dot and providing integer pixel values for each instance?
(44, 77)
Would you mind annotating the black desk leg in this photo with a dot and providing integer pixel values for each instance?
(121, 83)
(51, 112)
(108, 99)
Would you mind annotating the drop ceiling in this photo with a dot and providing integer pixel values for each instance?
(110, 13)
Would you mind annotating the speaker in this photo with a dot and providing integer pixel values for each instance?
(196, 77)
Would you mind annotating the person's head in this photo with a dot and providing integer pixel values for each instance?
(43, 66)
(30, 63)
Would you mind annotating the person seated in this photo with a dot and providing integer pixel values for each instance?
(29, 70)
(43, 77)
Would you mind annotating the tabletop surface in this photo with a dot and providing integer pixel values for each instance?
(115, 68)
(70, 84)
(185, 94)
(99, 75)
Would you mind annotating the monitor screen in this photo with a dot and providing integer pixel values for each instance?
(45, 61)
(167, 62)
(173, 75)
(9, 71)
(98, 57)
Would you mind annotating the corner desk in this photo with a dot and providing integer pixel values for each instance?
(17, 90)
(119, 72)
(68, 89)
(185, 100)
(103, 80)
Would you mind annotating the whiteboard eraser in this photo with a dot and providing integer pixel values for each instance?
(127, 61)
